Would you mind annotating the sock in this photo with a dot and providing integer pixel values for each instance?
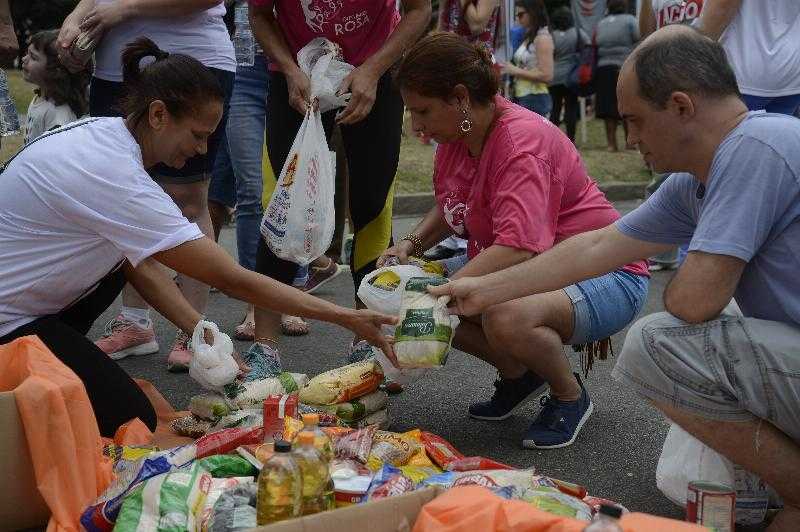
(139, 316)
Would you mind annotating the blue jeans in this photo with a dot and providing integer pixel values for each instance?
(604, 305)
(786, 105)
(247, 120)
(538, 103)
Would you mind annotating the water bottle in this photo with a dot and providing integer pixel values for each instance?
(244, 44)
(9, 119)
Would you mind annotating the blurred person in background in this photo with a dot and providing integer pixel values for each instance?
(566, 44)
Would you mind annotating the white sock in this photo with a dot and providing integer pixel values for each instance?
(139, 316)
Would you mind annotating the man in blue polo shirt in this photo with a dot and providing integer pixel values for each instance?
(732, 380)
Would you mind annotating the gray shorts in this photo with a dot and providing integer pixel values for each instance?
(728, 369)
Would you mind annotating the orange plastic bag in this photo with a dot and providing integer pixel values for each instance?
(469, 508)
(60, 427)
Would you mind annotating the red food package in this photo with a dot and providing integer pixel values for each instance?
(227, 440)
(397, 485)
(276, 408)
(334, 433)
(474, 463)
(576, 490)
(356, 445)
(439, 450)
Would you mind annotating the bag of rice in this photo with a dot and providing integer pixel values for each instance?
(426, 329)
(359, 408)
(342, 384)
(211, 406)
(252, 394)
(379, 419)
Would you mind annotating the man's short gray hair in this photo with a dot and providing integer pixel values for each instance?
(684, 61)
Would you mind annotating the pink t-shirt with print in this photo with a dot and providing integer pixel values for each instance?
(360, 27)
(527, 190)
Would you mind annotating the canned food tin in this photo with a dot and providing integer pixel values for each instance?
(711, 505)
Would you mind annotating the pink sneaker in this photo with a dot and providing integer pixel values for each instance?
(123, 338)
(180, 355)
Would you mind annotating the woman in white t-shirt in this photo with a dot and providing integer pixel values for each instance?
(191, 27)
(80, 215)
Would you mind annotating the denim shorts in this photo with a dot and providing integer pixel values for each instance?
(604, 305)
(731, 368)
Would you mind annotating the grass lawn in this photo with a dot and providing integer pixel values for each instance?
(416, 159)
(22, 93)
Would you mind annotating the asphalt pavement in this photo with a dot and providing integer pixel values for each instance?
(615, 455)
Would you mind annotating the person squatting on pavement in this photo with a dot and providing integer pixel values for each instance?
(730, 380)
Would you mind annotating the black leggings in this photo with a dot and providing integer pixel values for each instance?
(114, 396)
(561, 93)
(372, 147)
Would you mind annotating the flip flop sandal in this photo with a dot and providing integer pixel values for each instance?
(294, 326)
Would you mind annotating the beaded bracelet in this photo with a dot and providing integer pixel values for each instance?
(416, 241)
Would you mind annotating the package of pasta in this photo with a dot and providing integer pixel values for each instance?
(390, 448)
(362, 407)
(426, 328)
(356, 445)
(343, 384)
(440, 450)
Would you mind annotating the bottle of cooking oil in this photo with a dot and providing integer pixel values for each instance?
(279, 487)
(321, 440)
(316, 478)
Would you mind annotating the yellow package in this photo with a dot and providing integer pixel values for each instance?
(387, 280)
(343, 384)
(417, 474)
(390, 448)
(291, 427)
(433, 268)
(420, 457)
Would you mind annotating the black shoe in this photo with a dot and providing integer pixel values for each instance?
(508, 395)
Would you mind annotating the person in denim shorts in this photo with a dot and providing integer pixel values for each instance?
(513, 185)
(730, 380)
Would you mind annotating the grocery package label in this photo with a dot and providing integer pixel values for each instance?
(421, 284)
(419, 324)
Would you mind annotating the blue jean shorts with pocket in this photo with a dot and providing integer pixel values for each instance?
(605, 305)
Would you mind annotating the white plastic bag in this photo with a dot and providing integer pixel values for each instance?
(376, 296)
(685, 459)
(213, 366)
(299, 220)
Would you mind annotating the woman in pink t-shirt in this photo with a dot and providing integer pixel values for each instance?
(513, 184)
(372, 36)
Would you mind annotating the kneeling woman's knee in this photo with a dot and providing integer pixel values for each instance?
(498, 322)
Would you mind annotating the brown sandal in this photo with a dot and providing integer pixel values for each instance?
(293, 326)
(245, 331)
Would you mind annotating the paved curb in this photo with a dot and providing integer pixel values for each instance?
(418, 204)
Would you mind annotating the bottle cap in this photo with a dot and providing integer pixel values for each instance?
(282, 446)
(311, 419)
(306, 437)
(611, 510)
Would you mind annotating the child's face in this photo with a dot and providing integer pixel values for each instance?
(34, 65)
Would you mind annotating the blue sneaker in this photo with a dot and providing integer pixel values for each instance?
(508, 395)
(559, 422)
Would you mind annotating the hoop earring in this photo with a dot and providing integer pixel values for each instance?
(466, 125)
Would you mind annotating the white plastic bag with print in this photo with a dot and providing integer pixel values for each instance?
(299, 220)
(685, 459)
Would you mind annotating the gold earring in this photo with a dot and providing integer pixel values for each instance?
(466, 125)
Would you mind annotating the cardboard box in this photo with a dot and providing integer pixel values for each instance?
(21, 505)
(395, 514)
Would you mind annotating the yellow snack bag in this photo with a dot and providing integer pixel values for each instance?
(390, 448)
(418, 474)
(420, 457)
(291, 427)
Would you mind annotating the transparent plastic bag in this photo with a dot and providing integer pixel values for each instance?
(212, 366)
